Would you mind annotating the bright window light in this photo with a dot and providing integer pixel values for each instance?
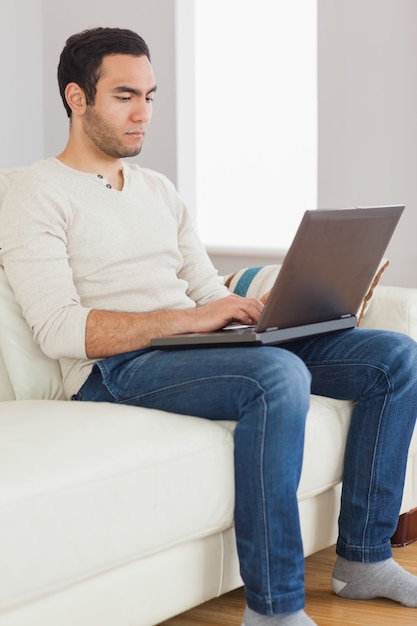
(255, 120)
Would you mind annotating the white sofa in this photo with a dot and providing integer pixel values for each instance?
(119, 516)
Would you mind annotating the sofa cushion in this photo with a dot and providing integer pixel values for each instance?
(104, 485)
(26, 371)
(253, 282)
(393, 308)
(32, 375)
(88, 487)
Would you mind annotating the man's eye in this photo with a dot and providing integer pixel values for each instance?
(123, 98)
(149, 99)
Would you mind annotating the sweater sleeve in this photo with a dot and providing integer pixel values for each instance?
(204, 284)
(33, 230)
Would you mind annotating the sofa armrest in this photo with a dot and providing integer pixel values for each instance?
(392, 308)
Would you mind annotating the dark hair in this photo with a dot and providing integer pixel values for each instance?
(82, 56)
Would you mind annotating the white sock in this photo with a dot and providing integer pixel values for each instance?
(383, 579)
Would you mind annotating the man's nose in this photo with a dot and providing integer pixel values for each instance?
(142, 112)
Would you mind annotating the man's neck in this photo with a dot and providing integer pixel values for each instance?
(110, 169)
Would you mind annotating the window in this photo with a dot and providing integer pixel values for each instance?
(255, 83)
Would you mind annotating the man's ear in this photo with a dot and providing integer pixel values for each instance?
(76, 98)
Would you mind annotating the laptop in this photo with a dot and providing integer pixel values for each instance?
(325, 275)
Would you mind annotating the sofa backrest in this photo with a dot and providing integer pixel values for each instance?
(25, 371)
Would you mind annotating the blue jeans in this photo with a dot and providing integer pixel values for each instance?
(266, 390)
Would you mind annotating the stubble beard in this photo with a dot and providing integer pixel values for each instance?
(104, 137)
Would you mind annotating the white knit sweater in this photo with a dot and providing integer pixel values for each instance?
(70, 243)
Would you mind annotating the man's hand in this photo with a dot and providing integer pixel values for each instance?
(265, 297)
(112, 332)
(222, 312)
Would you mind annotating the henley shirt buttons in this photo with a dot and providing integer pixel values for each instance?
(101, 178)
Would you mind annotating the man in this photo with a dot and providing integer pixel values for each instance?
(102, 257)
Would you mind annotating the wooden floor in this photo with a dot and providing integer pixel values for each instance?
(322, 605)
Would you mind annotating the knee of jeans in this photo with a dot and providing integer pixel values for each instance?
(400, 350)
(397, 355)
(404, 356)
(283, 370)
(411, 347)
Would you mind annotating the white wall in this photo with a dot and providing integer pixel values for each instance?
(21, 98)
(367, 62)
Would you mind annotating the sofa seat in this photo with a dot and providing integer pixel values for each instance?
(102, 486)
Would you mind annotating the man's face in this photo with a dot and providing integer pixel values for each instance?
(117, 121)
